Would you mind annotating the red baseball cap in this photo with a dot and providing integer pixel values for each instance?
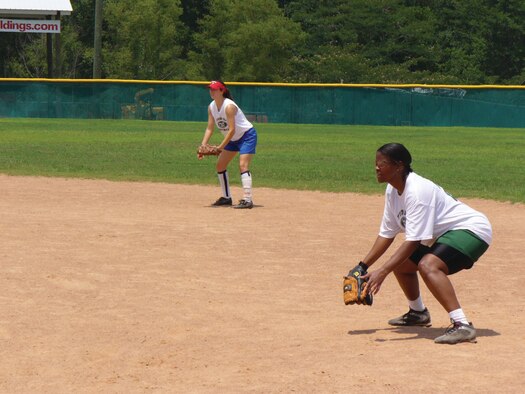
(216, 85)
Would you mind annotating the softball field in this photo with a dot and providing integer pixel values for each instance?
(119, 287)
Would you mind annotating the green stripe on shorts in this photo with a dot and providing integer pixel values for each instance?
(466, 242)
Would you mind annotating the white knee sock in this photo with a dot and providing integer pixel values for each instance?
(246, 180)
(225, 184)
(458, 316)
(417, 304)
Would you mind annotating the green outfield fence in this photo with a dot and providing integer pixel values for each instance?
(391, 105)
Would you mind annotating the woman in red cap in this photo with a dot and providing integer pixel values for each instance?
(239, 136)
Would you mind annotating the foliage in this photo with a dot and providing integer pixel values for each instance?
(246, 40)
(28, 59)
(142, 39)
(351, 41)
(505, 50)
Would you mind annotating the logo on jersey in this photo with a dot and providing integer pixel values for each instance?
(222, 123)
(402, 217)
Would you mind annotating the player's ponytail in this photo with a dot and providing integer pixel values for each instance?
(226, 92)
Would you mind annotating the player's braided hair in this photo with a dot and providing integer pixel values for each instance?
(398, 154)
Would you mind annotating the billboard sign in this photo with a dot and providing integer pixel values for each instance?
(29, 26)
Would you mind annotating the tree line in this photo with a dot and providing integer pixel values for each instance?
(323, 41)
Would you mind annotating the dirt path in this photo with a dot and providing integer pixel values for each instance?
(141, 288)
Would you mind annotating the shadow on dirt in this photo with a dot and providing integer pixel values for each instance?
(417, 333)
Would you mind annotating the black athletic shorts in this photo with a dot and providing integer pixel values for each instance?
(453, 258)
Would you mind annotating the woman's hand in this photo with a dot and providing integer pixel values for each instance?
(374, 280)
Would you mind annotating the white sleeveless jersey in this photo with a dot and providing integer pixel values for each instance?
(242, 125)
(425, 211)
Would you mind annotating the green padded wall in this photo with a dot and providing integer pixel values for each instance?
(398, 105)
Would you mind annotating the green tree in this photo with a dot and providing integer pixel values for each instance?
(246, 40)
(28, 58)
(192, 12)
(79, 48)
(348, 40)
(7, 52)
(505, 50)
(142, 39)
(326, 22)
(440, 41)
(461, 37)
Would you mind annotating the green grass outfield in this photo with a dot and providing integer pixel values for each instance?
(468, 162)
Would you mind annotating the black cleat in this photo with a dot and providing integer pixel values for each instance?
(222, 202)
(412, 318)
(244, 204)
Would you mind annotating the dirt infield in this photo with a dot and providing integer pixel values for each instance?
(116, 287)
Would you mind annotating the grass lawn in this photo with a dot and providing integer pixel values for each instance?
(467, 162)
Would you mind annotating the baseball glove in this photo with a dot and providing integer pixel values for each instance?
(353, 287)
(209, 150)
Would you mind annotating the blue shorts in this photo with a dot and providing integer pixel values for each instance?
(244, 145)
